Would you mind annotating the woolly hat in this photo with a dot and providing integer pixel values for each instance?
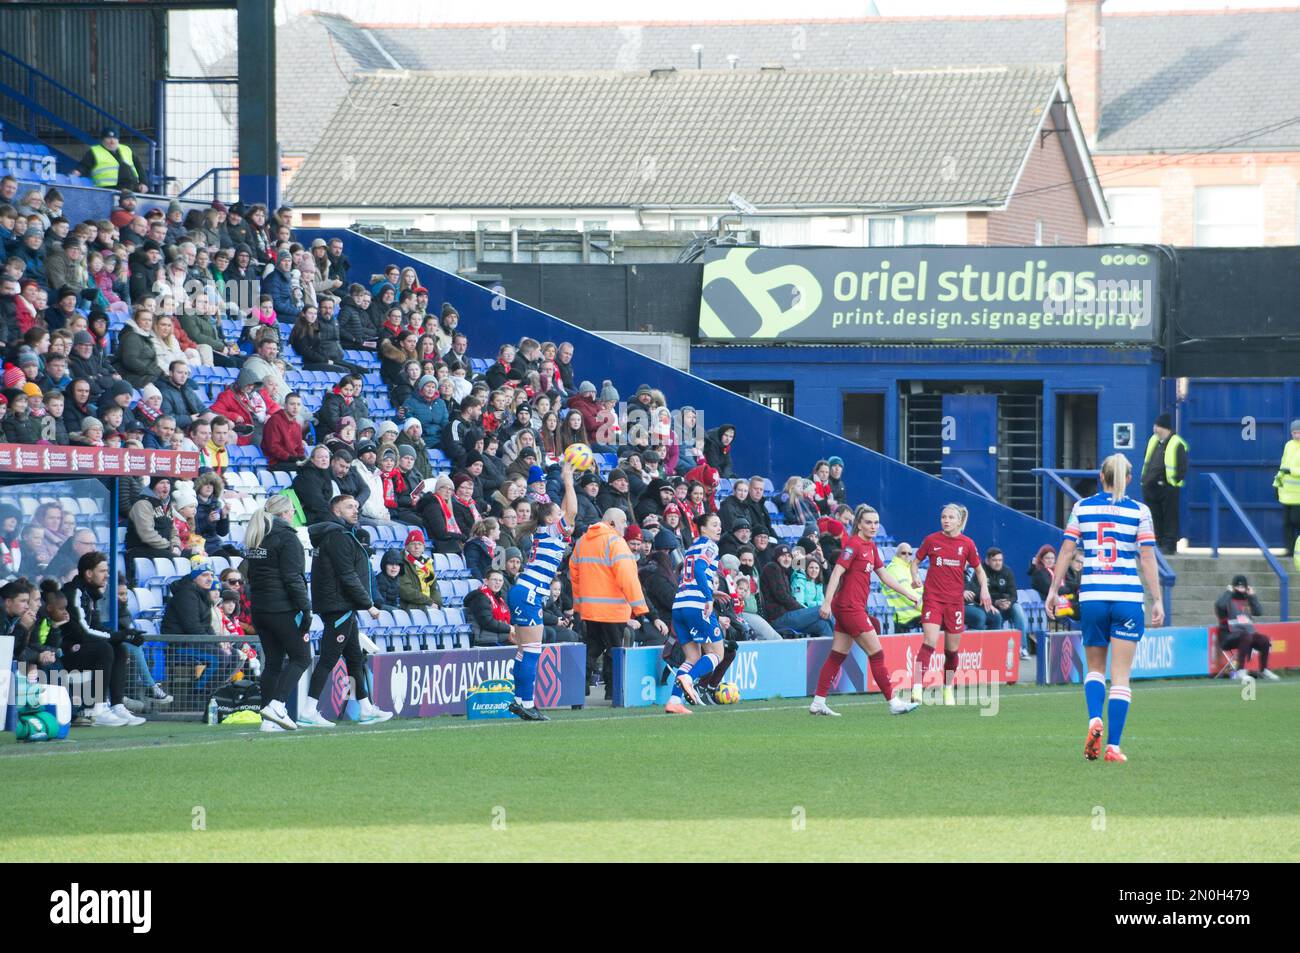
(835, 461)
(184, 496)
(33, 390)
(586, 387)
(386, 426)
(665, 539)
(426, 380)
(414, 535)
(406, 450)
(389, 451)
(607, 391)
(1295, 424)
(92, 423)
(633, 532)
(148, 391)
(364, 423)
(729, 562)
(14, 377)
(1166, 421)
(27, 356)
(460, 479)
(83, 337)
(512, 552)
(536, 475)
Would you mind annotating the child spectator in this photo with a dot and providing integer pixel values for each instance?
(388, 581)
(211, 518)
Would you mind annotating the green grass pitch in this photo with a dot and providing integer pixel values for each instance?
(1210, 777)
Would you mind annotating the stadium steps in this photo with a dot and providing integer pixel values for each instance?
(1202, 579)
(768, 442)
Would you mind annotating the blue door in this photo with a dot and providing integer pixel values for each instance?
(970, 438)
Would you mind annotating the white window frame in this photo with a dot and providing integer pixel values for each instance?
(900, 228)
(1246, 203)
(1132, 233)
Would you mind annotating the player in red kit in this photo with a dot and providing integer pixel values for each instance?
(846, 597)
(943, 605)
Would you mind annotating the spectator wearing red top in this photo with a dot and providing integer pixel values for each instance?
(822, 493)
(242, 405)
(488, 613)
(283, 439)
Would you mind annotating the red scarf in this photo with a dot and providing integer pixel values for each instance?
(394, 483)
(447, 514)
(500, 611)
(471, 506)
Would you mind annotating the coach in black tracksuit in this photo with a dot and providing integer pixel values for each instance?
(340, 588)
(277, 588)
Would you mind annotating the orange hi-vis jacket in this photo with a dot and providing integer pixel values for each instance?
(603, 572)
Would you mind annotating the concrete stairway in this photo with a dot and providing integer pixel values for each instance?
(1202, 579)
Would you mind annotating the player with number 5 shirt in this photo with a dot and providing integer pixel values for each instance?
(943, 606)
(1118, 540)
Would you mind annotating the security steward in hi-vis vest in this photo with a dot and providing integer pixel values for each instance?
(1164, 470)
(112, 164)
(1287, 483)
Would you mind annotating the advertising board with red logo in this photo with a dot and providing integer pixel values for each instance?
(97, 461)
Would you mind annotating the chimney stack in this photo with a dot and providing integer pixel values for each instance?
(1085, 40)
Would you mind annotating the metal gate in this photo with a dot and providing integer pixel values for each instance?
(199, 133)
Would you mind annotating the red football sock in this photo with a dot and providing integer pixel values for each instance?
(881, 673)
(950, 668)
(830, 671)
(922, 663)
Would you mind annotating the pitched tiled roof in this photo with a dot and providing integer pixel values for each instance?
(821, 137)
(1170, 82)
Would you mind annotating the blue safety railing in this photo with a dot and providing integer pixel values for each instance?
(215, 174)
(1168, 578)
(971, 482)
(1221, 490)
(30, 100)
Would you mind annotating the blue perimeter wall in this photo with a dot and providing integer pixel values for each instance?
(766, 442)
(1125, 380)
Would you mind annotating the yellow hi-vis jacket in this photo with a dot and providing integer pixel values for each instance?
(1171, 457)
(105, 170)
(1287, 480)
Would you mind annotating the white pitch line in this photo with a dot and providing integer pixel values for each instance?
(655, 712)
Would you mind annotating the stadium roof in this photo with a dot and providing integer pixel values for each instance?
(807, 138)
(1173, 81)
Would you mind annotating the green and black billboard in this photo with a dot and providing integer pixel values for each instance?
(1102, 294)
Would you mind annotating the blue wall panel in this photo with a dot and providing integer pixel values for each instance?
(1126, 381)
(767, 442)
(1236, 428)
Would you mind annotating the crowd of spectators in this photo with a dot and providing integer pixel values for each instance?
(105, 325)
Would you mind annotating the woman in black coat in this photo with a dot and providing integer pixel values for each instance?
(314, 485)
(484, 610)
(275, 567)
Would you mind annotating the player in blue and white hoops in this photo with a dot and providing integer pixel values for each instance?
(694, 622)
(1117, 539)
(550, 529)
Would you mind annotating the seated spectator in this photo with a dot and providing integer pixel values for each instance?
(171, 344)
(398, 495)
(1234, 610)
(557, 616)
(717, 449)
(211, 518)
(781, 608)
(91, 433)
(189, 603)
(510, 561)
(344, 437)
(284, 437)
(800, 506)
(1002, 590)
(183, 509)
(482, 546)
(907, 613)
(136, 356)
(736, 540)
(1041, 569)
(18, 425)
(589, 511)
(808, 583)
(736, 506)
(314, 486)
(342, 401)
(699, 503)
(356, 330)
(488, 614)
(615, 494)
(243, 406)
(675, 521)
(759, 518)
(418, 587)
(821, 481)
(658, 494)
(388, 581)
(1069, 590)
(744, 590)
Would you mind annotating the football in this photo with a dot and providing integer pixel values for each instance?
(727, 693)
(579, 456)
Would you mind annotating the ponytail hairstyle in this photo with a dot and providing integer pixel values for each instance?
(961, 512)
(863, 509)
(1115, 472)
(259, 525)
(542, 513)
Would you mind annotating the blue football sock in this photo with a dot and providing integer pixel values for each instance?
(1094, 693)
(526, 672)
(702, 667)
(1120, 698)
